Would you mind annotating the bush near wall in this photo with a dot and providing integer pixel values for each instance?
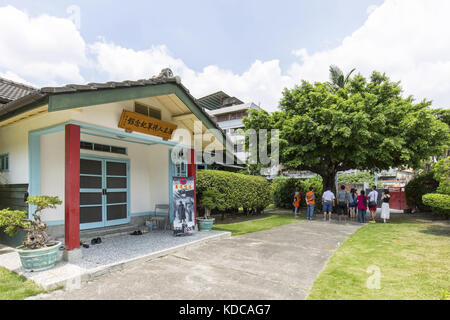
(440, 203)
(284, 188)
(237, 190)
(419, 186)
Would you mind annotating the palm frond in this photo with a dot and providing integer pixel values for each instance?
(349, 74)
(335, 74)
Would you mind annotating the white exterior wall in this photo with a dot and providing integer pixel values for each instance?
(53, 172)
(149, 172)
(14, 140)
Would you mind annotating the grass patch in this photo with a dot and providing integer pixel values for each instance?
(413, 257)
(16, 287)
(267, 221)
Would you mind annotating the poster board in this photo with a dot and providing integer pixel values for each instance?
(183, 206)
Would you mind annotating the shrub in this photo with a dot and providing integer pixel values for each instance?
(36, 230)
(441, 172)
(419, 186)
(212, 199)
(283, 191)
(236, 190)
(440, 203)
(284, 188)
(358, 178)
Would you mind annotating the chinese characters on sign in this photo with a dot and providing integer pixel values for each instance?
(132, 121)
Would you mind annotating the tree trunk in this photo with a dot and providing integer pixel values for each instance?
(329, 181)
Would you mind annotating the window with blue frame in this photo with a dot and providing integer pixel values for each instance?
(180, 166)
(4, 162)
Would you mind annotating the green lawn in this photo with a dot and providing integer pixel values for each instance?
(267, 222)
(16, 287)
(413, 257)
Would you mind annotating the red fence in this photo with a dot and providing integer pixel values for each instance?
(398, 199)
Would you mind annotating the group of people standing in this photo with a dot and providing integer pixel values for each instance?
(348, 204)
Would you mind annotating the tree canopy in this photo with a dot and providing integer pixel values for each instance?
(366, 125)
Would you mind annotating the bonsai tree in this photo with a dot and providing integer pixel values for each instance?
(36, 230)
(210, 200)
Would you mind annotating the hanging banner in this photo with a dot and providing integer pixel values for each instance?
(183, 206)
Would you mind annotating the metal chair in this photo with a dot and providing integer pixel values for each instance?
(160, 219)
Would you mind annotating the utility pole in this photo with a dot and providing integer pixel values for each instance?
(336, 182)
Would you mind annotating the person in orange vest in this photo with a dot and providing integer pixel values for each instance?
(310, 203)
(296, 203)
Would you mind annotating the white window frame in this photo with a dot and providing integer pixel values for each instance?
(180, 168)
(4, 159)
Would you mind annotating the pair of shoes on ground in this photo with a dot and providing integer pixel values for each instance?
(136, 233)
(96, 241)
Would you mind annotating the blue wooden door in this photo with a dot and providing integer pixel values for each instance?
(104, 192)
(116, 197)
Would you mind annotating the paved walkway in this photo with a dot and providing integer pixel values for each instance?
(280, 263)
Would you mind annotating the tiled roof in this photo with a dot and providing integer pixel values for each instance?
(33, 95)
(213, 101)
(110, 85)
(10, 90)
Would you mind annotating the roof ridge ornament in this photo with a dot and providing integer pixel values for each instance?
(165, 74)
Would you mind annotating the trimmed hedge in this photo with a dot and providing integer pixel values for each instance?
(419, 186)
(439, 202)
(284, 188)
(237, 190)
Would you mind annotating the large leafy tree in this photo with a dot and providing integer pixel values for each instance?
(366, 125)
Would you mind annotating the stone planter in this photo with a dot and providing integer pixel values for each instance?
(39, 259)
(205, 224)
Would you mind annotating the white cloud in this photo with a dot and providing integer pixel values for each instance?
(42, 49)
(406, 39)
(371, 9)
(14, 77)
(262, 82)
(409, 40)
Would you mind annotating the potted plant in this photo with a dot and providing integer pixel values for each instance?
(37, 252)
(210, 199)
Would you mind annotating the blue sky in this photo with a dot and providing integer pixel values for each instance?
(231, 33)
(250, 48)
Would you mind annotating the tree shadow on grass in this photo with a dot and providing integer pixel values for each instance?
(437, 231)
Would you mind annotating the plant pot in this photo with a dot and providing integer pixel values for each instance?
(39, 259)
(205, 224)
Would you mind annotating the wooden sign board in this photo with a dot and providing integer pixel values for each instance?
(132, 121)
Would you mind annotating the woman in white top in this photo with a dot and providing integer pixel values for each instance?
(385, 210)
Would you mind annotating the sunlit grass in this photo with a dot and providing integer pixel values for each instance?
(264, 223)
(16, 287)
(413, 257)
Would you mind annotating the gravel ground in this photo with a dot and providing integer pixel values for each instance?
(126, 247)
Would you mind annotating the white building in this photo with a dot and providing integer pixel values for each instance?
(230, 120)
(103, 148)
